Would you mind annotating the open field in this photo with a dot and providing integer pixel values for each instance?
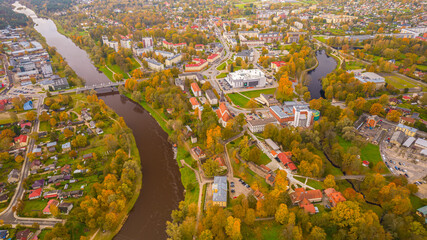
(257, 93)
(401, 83)
(238, 99)
(5, 117)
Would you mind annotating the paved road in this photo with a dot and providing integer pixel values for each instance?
(8, 215)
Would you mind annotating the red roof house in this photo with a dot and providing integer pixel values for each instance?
(334, 196)
(34, 194)
(21, 140)
(311, 195)
(46, 210)
(285, 158)
(196, 89)
(194, 103)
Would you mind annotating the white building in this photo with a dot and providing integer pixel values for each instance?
(246, 78)
(126, 43)
(258, 125)
(303, 116)
(370, 77)
(154, 65)
(147, 42)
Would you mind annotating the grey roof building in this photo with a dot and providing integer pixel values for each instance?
(219, 191)
(397, 138)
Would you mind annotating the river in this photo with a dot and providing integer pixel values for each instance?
(326, 65)
(162, 189)
(77, 58)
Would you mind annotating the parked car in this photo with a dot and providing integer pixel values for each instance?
(232, 184)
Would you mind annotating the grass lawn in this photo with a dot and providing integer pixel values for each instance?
(188, 176)
(264, 159)
(117, 70)
(238, 99)
(45, 126)
(34, 207)
(416, 202)
(257, 93)
(221, 66)
(371, 153)
(107, 73)
(222, 75)
(352, 65)
(402, 83)
(315, 184)
(422, 68)
(322, 39)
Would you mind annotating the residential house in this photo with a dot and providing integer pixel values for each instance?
(37, 151)
(219, 191)
(307, 206)
(66, 169)
(210, 95)
(311, 195)
(38, 184)
(24, 235)
(285, 158)
(52, 194)
(270, 179)
(56, 178)
(223, 114)
(66, 147)
(194, 103)
(198, 152)
(88, 156)
(65, 207)
(277, 65)
(36, 164)
(334, 197)
(13, 176)
(196, 90)
(21, 141)
(258, 125)
(52, 202)
(51, 147)
(407, 121)
(34, 194)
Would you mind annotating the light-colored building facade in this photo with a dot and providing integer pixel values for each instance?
(244, 78)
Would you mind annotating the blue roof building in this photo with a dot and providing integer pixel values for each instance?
(28, 105)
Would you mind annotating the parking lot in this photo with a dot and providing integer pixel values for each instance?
(26, 90)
